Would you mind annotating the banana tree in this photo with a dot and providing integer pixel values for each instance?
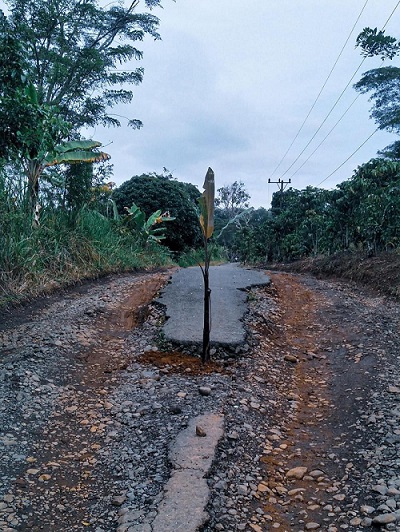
(147, 229)
(78, 151)
(39, 142)
(206, 201)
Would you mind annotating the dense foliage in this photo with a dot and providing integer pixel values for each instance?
(72, 52)
(382, 83)
(61, 70)
(362, 213)
(61, 67)
(153, 191)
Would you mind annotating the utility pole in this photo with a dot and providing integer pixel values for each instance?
(282, 185)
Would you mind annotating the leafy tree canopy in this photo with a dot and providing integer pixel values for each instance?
(373, 42)
(391, 152)
(232, 198)
(72, 51)
(383, 84)
(151, 192)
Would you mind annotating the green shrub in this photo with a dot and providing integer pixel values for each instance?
(153, 192)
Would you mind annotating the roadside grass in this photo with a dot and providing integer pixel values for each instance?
(59, 253)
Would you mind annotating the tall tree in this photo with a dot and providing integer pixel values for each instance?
(383, 84)
(232, 198)
(59, 66)
(73, 51)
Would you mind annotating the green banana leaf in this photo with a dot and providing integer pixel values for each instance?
(78, 156)
(152, 219)
(77, 145)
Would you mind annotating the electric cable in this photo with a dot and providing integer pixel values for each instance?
(370, 136)
(325, 119)
(333, 107)
(349, 157)
(327, 135)
(321, 90)
(391, 15)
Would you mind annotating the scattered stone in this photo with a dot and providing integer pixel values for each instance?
(200, 431)
(312, 526)
(384, 519)
(379, 488)
(242, 489)
(339, 497)
(296, 491)
(316, 473)
(118, 500)
(255, 527)
(291, 358)
(296, 472)
(367, 510)
(262, 487)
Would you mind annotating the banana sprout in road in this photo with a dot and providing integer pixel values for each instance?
(207, 224)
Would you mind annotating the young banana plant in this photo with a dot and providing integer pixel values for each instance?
(207, 224)
(136, 218)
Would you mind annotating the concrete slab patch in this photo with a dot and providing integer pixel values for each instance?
(193, 452)
(182, 510)
(183, 298)
(187, 492)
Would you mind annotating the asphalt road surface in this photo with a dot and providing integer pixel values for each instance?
(184, 301)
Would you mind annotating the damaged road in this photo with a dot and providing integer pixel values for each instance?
(94, 404)
(183, 298)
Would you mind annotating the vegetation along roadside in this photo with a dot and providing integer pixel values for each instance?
(62, 219)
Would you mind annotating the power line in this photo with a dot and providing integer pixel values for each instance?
(325, 119)
(391, 15)
(333, 107)
(321, 90)
(327, 135)
(349, 157)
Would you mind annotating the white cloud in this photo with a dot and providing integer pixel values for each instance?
(230, 84)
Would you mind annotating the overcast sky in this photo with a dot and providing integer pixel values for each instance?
(230, 84)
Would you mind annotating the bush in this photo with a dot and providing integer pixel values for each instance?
(153, 192)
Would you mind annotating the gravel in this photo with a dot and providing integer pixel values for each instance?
(311, 406)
